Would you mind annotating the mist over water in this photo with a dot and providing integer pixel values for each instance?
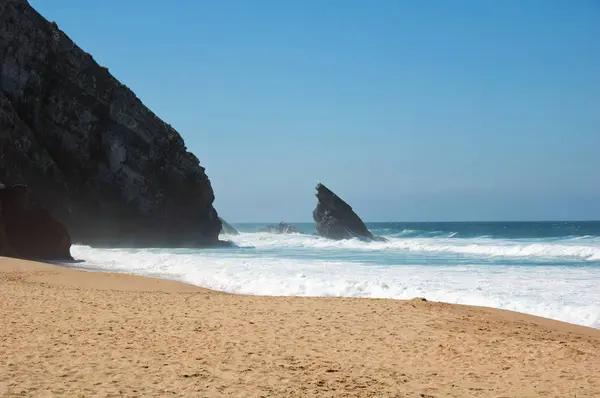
(545, 269)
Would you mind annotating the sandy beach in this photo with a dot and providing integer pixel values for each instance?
(66, 332)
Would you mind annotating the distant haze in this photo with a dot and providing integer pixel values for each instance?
(409, 110)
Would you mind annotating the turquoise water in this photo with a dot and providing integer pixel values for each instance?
(426, 244)
(550, 269)
(510, 230)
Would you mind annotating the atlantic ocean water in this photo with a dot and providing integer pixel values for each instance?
(550, 269)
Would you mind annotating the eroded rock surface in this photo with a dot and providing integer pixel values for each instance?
(28, 230)
(99, 160)
(336, 220)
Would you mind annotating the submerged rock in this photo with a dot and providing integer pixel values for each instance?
(281, 228)
(227, 229)
(336, 220)
(28, 230)
(98, 159)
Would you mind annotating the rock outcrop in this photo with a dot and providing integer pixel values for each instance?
(27, 230)
(336, 220)
(5, 249)
(281, 228)
(99, 160)
(227, 229)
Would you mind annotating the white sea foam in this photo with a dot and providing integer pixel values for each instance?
(310, 266)
(567, 248)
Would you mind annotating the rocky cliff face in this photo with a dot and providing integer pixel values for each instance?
(96, 157)
(5, 248)
(28, 230)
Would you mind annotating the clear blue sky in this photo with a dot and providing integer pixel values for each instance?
(408, 109)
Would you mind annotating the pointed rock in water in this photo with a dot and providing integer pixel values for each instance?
(27, 230)
(227, 229)
(336, 220)
(99, 160)
(281, 228)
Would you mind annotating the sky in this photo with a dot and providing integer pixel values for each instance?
(410, 110)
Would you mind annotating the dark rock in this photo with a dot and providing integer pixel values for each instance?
(99, 160)
(336, 220)
(5, 249)
(281, 228)
(28, 230)
(227, 229)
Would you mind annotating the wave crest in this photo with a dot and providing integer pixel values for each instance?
(566, 249)
(564, 293)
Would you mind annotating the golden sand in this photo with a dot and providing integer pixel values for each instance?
(65, 332)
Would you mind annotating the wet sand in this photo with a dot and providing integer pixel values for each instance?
(65, 332)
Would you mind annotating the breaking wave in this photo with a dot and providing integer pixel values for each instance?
(551, 277)
(584, 249)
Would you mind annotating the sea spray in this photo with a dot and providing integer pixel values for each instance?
(554, 277)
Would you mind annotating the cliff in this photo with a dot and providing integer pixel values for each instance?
(99, 160)
(27, 230)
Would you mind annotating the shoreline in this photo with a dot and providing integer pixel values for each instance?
(80, 332)
(511, 306)
(509, 313)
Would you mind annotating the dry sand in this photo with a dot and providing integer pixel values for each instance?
(72, 333)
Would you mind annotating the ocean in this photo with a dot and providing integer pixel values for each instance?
(550, 269)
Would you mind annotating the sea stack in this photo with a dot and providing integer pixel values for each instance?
(98, 160)
(336, 220)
